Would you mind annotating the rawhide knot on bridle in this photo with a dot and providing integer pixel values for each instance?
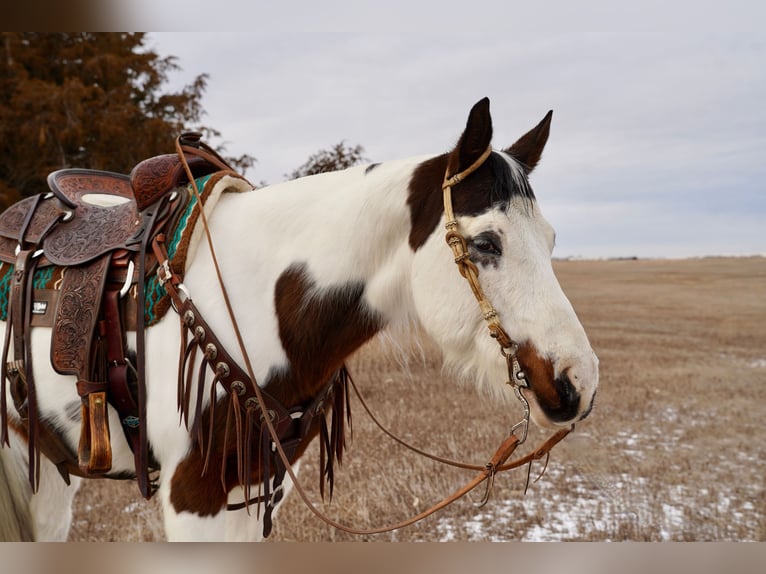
(468, 269)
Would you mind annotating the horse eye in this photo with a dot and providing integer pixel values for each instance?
(487, 244)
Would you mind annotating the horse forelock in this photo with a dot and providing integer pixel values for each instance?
(493, 185)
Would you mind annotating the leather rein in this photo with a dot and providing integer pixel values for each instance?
(508, 348)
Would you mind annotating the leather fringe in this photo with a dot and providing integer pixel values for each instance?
(259, 471)
(333, 440)
(196, 430)
(186, 357)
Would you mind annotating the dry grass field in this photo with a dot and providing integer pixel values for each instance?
(675, 448)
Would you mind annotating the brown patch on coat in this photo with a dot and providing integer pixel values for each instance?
(540, 377)
(557, 397)
(426, 202)
(319, 328)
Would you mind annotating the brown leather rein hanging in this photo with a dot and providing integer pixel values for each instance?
(498, 462)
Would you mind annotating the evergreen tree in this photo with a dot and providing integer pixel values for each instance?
(90, 100)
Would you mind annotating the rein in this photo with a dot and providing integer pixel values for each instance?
(509, 349)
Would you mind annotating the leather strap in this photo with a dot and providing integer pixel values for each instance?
(460, 250)
(19, 371)
(141, 452)
(508, 347)
(120, 394)
(191, 143)
(538, 453)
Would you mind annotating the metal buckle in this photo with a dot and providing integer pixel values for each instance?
(16, 369)
(164, 273)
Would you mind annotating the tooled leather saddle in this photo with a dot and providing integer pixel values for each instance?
(71, 257)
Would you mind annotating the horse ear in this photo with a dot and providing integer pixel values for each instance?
(475, 139)
(528, 149)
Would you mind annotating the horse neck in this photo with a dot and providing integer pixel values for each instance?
(315, 266)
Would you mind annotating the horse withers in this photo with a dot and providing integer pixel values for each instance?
(314, 268)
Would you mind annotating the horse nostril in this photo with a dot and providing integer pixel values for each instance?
(569, 399)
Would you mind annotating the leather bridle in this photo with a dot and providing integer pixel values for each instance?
(508, 348)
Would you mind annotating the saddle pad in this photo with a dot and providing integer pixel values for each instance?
(187, 235)
(46, 283)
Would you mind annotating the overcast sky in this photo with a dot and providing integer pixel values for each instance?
(658, 143)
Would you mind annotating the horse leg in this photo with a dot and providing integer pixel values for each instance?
(183, 525)
(15, 517)
(46, 515)
(225, 526)
(247, 526)
(52, 505)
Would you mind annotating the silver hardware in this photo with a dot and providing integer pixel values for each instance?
(517, 379)
(519, 376)
(523, 424)
(199, 333)
(14, 367)
(222, 370)
(183, 293)
(128, 280)
(278, 490)
(189, 318)
(211, 352)
(490, 315)
(164, 273)
(130, 366)
(237, 386)
(67, 216)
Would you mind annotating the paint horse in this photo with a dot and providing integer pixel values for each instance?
(314, 268)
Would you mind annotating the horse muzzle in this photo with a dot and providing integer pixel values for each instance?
(565, 406)
(562, 399)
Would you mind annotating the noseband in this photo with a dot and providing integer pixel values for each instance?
(508, 347)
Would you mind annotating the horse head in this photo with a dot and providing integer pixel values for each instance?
(510, 244)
